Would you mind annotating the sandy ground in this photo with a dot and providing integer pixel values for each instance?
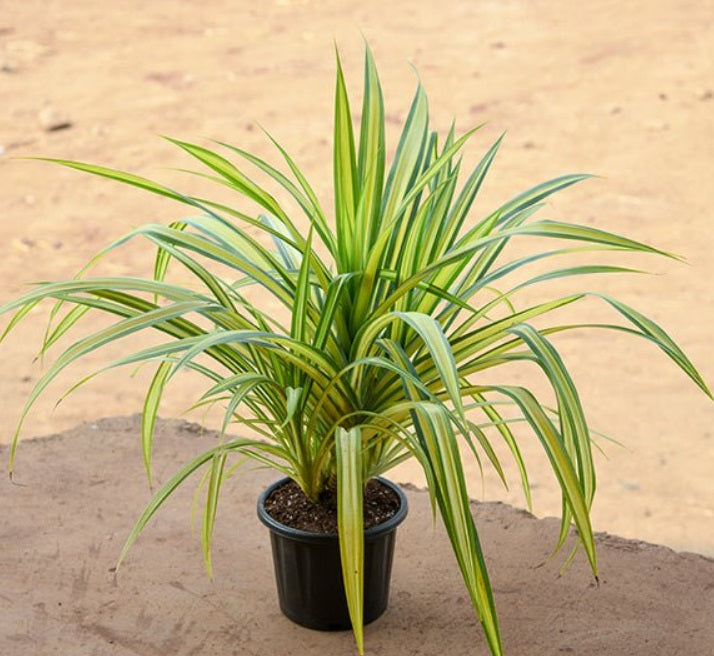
(623, 90)
(59, 594)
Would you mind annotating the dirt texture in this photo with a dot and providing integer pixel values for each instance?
(623, 90)
(288, 505)
(78, 494)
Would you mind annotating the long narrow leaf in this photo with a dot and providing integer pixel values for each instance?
(168, 488)
(148, 416)
(350, 524)
(435, 430)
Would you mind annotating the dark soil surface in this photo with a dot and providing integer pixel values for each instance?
(289, 505)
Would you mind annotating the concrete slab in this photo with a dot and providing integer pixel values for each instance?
(62, 528)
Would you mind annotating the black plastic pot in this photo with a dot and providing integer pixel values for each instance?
(308, 571)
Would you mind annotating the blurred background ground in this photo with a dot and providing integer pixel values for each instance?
(622, 90)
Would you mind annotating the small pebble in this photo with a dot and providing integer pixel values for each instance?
(172, 79)
(52, 119)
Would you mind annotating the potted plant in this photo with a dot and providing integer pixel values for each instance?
(400, 306)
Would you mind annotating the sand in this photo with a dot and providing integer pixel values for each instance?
(62, 532)
(622, 90)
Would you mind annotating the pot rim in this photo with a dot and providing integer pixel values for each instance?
(308, 536)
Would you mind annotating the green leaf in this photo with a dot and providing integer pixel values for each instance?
(320, 222)
(350, 523)
(66, 324)
(537, 194)
(308, 200)
(561, 230)
(449, 229)
(655, 333)
(151, 407)
(345, 176)
(509, 438)
(561, 463)
(409, 156)
(173, 483)
(161, 263)
(24, 310)
(119, 176)
(91, 343)
(440, 350)
(302, 297)
(370, 166)
(434, 429)
(574, 428)
(235, 177)
(218, 462)
(293, 395)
